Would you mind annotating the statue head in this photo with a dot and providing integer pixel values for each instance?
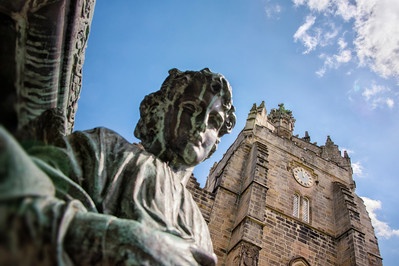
(182, 122)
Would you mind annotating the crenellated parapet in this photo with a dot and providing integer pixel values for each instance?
(281, 122)
(330, 151)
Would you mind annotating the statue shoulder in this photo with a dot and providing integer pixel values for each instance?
(97, 131)
(96, 136)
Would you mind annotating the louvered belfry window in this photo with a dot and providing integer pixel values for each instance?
(305, 209)
(301, 207)
(296, 202)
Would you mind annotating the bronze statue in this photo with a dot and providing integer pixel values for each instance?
(97, 199)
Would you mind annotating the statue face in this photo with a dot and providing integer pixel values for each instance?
(192, 125)
(182, 122)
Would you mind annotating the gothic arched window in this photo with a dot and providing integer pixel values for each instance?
(300, 261)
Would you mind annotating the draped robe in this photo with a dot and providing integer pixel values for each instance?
(95, 171)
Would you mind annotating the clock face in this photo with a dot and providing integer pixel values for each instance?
(303, 177)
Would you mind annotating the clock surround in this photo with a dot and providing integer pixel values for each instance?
(302, 176)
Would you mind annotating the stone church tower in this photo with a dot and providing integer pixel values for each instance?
(277, 199)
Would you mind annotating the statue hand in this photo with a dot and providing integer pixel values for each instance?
(173, 250)
(203, 257)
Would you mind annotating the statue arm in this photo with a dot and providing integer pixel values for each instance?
(37, 228)
(48, 231)
(97, 238)
(120, 238)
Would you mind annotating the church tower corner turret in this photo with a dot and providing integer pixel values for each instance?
(280, 120)
(257, 116)
(283, 121)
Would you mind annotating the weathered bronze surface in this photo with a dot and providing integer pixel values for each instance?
(42, 45)
(93, 198)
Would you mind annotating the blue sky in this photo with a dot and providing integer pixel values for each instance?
(334, 63)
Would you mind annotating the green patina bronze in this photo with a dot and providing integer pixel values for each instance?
(94, 198)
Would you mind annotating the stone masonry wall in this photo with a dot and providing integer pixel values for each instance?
(224, 216)
(356, 242)
(371, 241)
(222, 221)
(248, 202)
(203, 198)
(285, 238)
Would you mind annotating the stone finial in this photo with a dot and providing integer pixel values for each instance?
(262, 106)
(306, 137)
(257, 116)
(330, 151)
(329, 141)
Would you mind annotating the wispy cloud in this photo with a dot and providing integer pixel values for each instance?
(303, 35)
(343, 56)
(317, 5)
(374, 25)
(390, 102)
(381, 228)
(357, 168)
(373, 96)
(272, 10)
(378, 96)
(368, 93)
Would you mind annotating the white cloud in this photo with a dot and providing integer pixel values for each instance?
(303, 36)
(374, 29)
(357, 168)
(321, 71)
(298, 2)
(378, 96)
(272, 10)
(317, 5)
(382, 102)
(328, 34)
(374, 90)
(344, 56)
(377, 40)
(373, 95)
(342, 43)
(381, 228)
(335, 61)
(390, 103)
(345, 9)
